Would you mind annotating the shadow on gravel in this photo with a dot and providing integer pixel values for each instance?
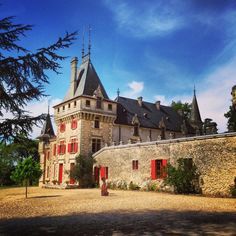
(46, 196)
(125, 223)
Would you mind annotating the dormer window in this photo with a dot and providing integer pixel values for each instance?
(99, 103)
(96, 123)
(87, 103)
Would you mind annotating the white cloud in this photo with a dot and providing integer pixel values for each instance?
(135, 89)
(213, 94)
(149, 19)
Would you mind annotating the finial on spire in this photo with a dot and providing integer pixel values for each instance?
(89, 43)
(118, 92)
(194, 90)
(48, 105)
(83, 45)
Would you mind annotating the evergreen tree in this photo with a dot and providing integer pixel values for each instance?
(23, 76)
(26, 171)
(185, 108)
(83, 170)
(231, 116)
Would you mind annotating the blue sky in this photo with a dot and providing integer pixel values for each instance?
(155, 49)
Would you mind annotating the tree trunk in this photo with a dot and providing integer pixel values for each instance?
(26, 188)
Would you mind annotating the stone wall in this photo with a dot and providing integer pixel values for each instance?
(214, 156)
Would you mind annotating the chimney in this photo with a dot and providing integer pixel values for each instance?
(158, 105)
(140, 100)
(73, 74)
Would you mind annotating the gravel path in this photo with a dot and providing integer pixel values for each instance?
(85, 212)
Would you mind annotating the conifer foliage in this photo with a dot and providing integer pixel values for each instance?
(23, 76)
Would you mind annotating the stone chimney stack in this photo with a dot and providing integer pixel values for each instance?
(140, 101)
(158, 105)
(73, 74)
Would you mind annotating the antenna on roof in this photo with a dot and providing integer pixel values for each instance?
(83, 44)
(89, 43)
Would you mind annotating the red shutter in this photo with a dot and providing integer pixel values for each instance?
(69, 147)
(72, 165)
(54, 149)
(75, 124)
(136, 166)
(64, 148)
(76, 147)
(164, 168)
(103, 172)
(153, 169)
(58, 149)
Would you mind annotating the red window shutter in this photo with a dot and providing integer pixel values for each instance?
(69, 147)
(64, 148)
(153, 169)
(54, 149)
(164, 168)
(76, 147)
(58, 149)
(103, 172)
(75, 124)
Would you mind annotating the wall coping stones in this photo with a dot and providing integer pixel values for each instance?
(177, 140)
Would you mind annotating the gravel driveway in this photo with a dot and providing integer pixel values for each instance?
(85, 212)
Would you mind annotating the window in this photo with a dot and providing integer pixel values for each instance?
(99, 103)
(96, 145)
(135, 164)
(69, 105)
(110, 107)
(96, 123)
(73, 146)
(58, 109)
(158, 169)
(104, 172)
(62, 127)
(87, 103)
(63, 108)
(74, 103)
(74, 124)
(61, 148)
(136, 130)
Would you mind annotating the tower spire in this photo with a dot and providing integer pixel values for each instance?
(118, 92)
(89, 41)
(83, 45)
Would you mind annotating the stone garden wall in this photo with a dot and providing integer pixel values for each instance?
(214, 156)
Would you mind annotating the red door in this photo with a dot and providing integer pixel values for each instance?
(60, 173)
(72, 165)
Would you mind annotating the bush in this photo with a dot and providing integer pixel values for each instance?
(184, 177)
(133, 186)
(152, 187)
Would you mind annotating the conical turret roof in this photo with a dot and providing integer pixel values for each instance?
(47, 130)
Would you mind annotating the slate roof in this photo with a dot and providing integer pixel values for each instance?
(148, 114)
(47, 130)
(195, 116)
(87, 81)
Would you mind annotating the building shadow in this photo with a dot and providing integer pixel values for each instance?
(125, 223)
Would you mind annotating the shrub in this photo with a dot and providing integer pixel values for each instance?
(152, 186)
(133, 186)
(184, 177)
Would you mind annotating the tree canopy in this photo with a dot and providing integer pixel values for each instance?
(26, 170)
(231, 116)
(185, 108)
(23, 76)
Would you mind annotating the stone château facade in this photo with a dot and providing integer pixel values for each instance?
(88, 120)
